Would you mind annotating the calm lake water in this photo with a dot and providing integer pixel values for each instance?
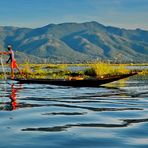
(35, 116)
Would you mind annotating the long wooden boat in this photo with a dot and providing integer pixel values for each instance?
(92, 82)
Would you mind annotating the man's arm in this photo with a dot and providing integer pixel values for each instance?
(3, 52)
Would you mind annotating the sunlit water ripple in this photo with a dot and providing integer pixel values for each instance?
(53, 116)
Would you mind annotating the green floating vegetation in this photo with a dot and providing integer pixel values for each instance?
(58, 71)
(105, 69)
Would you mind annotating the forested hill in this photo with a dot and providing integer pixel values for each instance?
(76, 42)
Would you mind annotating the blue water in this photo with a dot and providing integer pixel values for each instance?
(58, 117)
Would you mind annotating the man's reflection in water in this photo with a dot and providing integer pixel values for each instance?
(13, 96)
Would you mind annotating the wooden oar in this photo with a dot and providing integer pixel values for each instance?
(5, 77)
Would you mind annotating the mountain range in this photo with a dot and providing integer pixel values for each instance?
(76, 43)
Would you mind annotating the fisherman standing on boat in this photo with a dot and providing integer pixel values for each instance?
(12, 61)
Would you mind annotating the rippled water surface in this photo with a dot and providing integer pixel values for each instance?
(51, 116)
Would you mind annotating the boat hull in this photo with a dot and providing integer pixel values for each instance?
(94, 82)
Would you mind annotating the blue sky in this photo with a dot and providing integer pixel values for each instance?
(129, 14)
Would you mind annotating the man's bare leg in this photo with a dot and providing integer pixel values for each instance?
(12, 73)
